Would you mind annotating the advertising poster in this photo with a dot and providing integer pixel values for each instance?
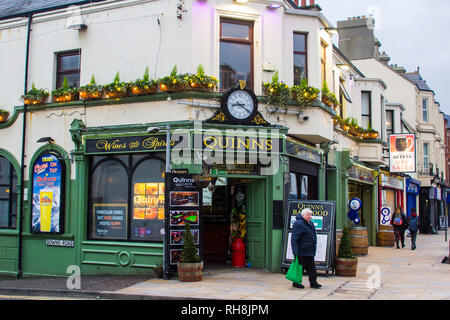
(184, 205)
(110, 220)
(402, 153)
(47, 190)
(323, 219)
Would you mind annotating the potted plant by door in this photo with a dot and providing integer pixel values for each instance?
(345, 262)
(191, 266)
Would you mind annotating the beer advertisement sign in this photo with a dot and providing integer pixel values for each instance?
(402, 153)
(47, 195)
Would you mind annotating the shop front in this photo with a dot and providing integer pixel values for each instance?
(361, 185)
(412, 195)
(391, 196)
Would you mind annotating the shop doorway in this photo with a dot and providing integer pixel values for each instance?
(222, 204)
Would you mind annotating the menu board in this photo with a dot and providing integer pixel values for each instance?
(48, 188)
(147, 221)
(110, 220)
(323, 219)
(184, 201)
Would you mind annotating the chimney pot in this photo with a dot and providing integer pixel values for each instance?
(303, 3)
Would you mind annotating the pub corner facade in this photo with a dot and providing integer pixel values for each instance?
(105, 160)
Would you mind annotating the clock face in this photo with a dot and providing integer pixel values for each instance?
(240, 104)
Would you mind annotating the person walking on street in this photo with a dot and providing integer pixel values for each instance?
(304, 244)
(400, 225)
(413, 227)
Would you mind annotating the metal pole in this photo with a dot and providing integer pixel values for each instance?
(165, 253)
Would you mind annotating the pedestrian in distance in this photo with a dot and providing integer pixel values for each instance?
(413, 227)
(400, 224)
(304, 245)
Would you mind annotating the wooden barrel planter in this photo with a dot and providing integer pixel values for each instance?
(346, 267)
(385, 236)
(359, 240)
(190, 272)
(338, 240)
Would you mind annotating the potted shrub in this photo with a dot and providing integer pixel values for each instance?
(278, 93)
(65, 93)
(303, 94)
(143, 86)
(159, 270)
(174, 82)
(116, 89)
(345, 262)
(35, 96)
(3, 115)
(91, 90)
(201, 82)
(190, 267)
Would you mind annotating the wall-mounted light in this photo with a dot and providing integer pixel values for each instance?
(152, 129)
(343, 66)
(274, 6)
(75, 21)
(241, 1)
(46, 139)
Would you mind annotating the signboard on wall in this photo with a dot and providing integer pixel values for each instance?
(48, 191)
(324, 219)
(183, 204)
(110, 220)
(402, 153)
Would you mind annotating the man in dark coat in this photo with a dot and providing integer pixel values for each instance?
(304, 244)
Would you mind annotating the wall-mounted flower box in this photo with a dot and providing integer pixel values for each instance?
(143, 86)
(35, 96)
(91, 90)
(65, 94)
(3, 115)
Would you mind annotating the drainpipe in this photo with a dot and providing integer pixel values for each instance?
(22, 164)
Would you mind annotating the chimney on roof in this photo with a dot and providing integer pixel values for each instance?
(311, 6)
(384, 58)
(357, 39)
(398, 69)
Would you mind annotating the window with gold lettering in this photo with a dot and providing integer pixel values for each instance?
(127, 197)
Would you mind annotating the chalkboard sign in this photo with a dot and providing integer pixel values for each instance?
(324, 221)
(110, 221)
(183, 204)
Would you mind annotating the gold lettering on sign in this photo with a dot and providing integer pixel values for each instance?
(107, 146)
(153, 143)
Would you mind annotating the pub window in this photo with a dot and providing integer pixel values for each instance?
(47, 210)
(389, 122)
(126, 198)
(425, 110)
(323, 61)
(236, 53)
(68, 65)
(366, 106)
(8, 194)
(303, 187)
(300, 58)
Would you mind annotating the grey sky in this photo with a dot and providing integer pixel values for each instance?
(412, 32)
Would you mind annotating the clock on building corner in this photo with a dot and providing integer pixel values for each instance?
(239, 105)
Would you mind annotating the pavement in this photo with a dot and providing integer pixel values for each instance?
(383, 274)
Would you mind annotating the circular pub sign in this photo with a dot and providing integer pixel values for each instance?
(355, 204)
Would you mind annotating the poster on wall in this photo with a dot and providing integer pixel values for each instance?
(183, 205)
(323, 219)
(110, 220)
(48, 177)
(402, 153)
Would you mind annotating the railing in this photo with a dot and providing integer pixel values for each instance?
(425, 170)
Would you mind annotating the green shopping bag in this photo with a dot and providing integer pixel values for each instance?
(295, 272)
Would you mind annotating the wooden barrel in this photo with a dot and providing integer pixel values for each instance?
(359, 240)
(385, 236)
(338, 239)
(346, 267)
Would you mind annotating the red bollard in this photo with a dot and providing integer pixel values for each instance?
(238, 253)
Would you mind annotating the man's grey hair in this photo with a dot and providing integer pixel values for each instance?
(306, 210)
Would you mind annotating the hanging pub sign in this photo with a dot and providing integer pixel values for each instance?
(323, 218)
(48, 192)
(183, 204)
(402, 153)
(128, 144)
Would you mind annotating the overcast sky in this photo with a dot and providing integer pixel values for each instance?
(412, 32)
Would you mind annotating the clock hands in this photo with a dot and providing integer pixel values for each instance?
(241, 105)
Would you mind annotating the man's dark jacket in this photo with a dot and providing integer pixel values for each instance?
(304, 238)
